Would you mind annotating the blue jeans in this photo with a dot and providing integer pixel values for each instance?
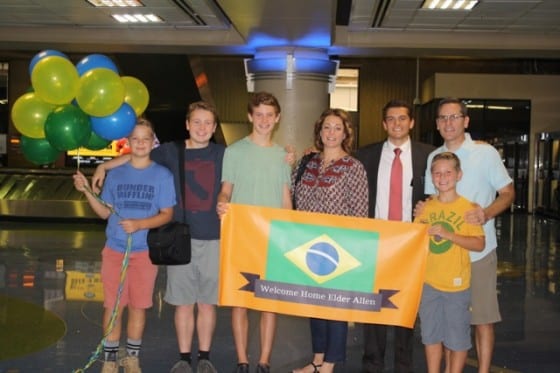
(329, 337)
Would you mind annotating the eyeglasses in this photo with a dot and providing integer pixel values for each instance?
(452, 118)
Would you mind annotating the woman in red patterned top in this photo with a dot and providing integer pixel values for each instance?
(332, 182)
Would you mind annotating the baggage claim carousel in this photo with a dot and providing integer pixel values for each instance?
(42, 194)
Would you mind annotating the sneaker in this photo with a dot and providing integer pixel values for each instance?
(181, 366)
(110, 367)
(205, 366)
(131, 364)
(262, 368)
(242, 368)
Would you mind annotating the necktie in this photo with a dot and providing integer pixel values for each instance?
(395, 193)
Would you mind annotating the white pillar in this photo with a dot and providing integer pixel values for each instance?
(300, 78)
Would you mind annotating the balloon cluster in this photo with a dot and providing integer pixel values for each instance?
(70, 106)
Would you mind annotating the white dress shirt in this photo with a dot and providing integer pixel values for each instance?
(384, 180)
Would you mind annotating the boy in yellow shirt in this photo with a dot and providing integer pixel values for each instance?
(445, 305)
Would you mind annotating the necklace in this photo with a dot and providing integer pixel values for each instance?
(327, 161)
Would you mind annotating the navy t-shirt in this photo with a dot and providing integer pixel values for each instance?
(203, 175)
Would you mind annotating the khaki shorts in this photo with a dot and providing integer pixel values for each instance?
(196, 282)
(484, 296)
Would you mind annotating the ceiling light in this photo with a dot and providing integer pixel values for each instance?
(449, 4)
(115, 3)
(137, 18)
(458, 4)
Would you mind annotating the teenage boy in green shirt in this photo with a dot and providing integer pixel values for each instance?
(255, 172)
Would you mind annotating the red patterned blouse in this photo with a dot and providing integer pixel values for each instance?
(340, 188)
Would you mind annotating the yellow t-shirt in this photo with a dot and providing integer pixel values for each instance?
(448, 267)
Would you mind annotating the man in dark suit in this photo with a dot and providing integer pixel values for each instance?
(378, 159)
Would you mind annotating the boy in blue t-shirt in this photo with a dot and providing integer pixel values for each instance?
(137, 196)
(194, 284)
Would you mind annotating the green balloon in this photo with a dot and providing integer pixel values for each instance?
(67, 128)
(38, 151)
(96, 142)
(101, 92)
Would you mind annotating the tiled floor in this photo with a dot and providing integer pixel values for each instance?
(38, 261)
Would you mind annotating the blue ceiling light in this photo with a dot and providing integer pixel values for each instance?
(288, 62)
(266, 65)
(259, 40)
(314, 39)
(303, 60)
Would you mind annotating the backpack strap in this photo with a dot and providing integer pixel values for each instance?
(181, 159)
(301, 169)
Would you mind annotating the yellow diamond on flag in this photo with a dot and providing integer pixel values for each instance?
(322, 259)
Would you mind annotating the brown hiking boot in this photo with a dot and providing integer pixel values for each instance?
(110, 367)
(131, 364)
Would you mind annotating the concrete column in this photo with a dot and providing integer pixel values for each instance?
(300, 79)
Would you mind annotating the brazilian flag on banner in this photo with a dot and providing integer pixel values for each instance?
(324, 256)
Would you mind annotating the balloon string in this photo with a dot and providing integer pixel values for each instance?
(78, 162)
(124, 266)
(99, 349)
(96, 196)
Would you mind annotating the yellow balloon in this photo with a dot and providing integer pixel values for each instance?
(100, 92)
(29, 115)
(55, 80)
(136, 94)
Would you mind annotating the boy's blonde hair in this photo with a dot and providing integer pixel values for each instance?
(142, 121)
(202, 105)
(447, 156)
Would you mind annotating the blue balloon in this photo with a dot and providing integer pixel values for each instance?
(43, 54)
(115, 126)
(94, 61)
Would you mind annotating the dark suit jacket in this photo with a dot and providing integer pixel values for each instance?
(370, 155)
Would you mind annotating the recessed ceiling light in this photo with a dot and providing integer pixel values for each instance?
(449, 4)
(137, 18)
(115, 3)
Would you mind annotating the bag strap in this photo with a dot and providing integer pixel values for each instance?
(181, 157)
(301, 169)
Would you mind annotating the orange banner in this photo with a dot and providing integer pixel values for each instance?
(319, 265)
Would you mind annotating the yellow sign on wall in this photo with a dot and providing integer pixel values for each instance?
(110, 151)
(83, 286)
